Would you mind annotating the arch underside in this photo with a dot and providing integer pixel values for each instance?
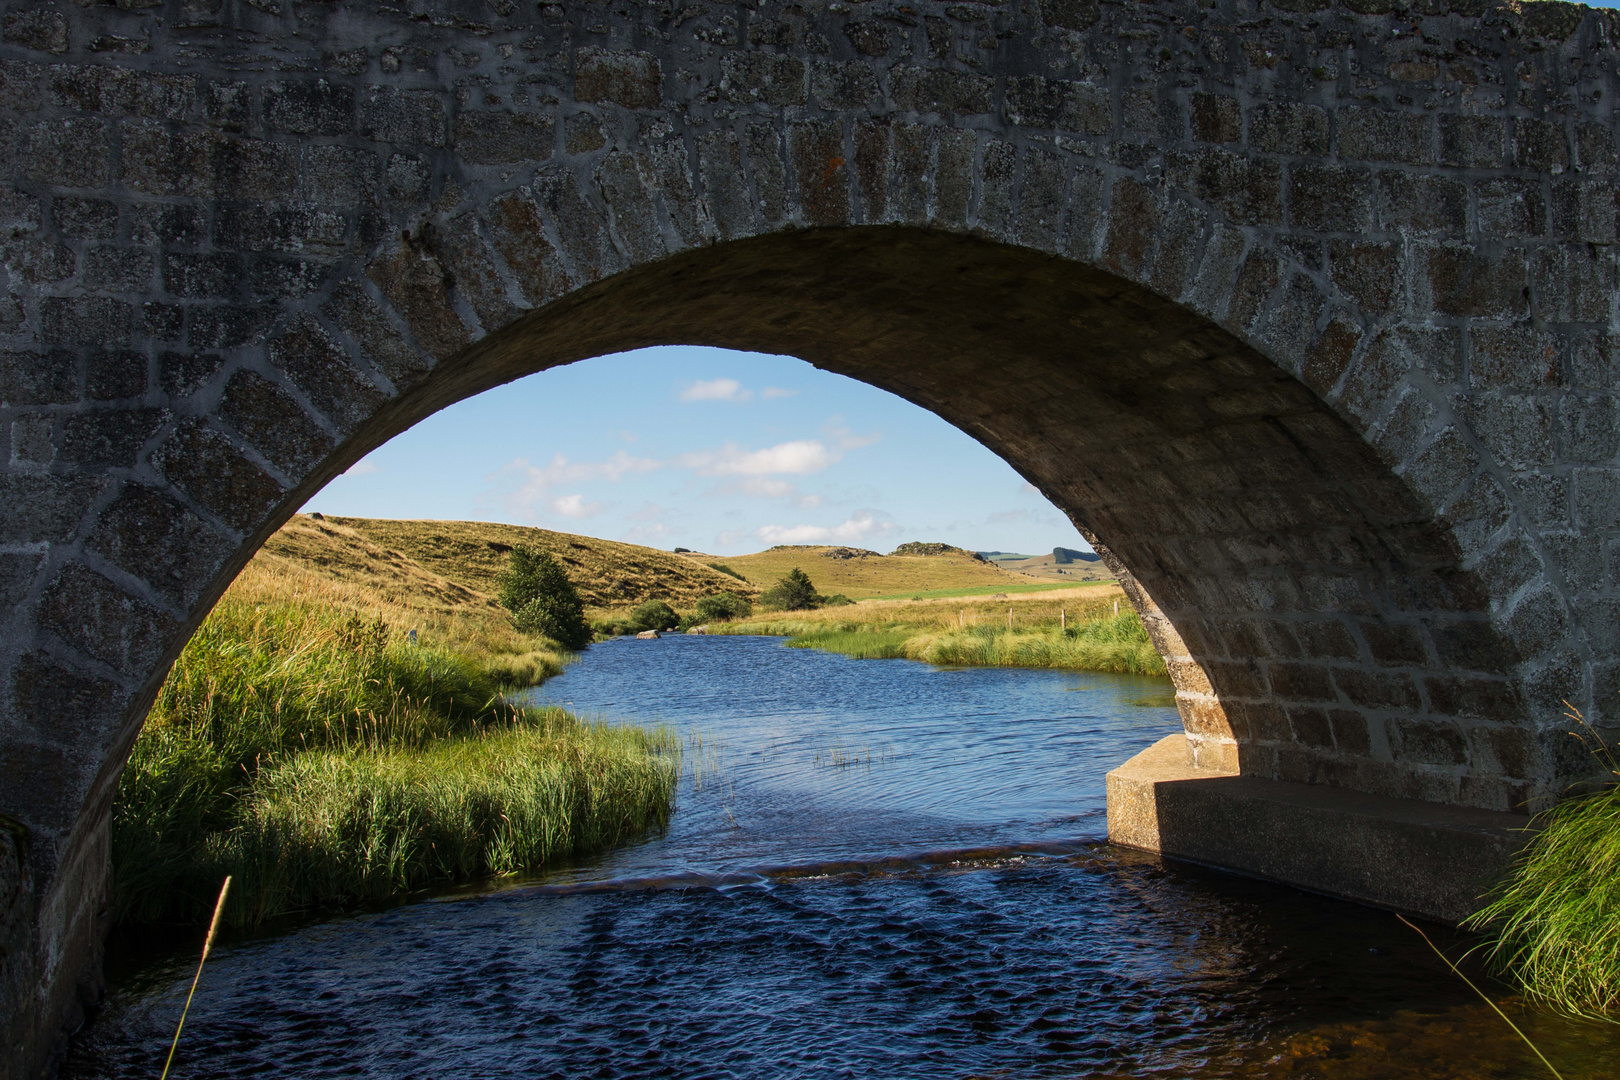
(1313, 612)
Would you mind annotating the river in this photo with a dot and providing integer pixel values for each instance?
(876, 869)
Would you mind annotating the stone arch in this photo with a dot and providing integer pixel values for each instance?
(1303, 308)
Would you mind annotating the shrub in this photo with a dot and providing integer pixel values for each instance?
(721, 607)
(655, 615)
(836, 600)
(792, 593)
(542, 600)
(683, 551)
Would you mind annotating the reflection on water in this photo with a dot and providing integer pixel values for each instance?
(877, 869)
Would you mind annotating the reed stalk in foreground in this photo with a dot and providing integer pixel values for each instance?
(1485, 997)
(208, 943)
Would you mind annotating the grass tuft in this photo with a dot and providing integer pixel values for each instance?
(1555, 923)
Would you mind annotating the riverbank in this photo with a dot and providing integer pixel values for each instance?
(334, 735)
(1077, 631)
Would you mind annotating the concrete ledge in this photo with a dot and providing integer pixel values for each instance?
(1425, 858)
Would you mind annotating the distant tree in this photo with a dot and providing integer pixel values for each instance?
(792, 593)
(1062, 556)
(655, 615)
(542, 600)
(683, 551)
(721, 607)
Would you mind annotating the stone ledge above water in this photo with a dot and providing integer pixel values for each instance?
(1424, 858)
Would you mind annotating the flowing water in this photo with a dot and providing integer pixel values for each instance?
(876, 869)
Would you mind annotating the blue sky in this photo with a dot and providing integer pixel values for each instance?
(719, 451)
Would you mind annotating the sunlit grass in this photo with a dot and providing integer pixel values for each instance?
(305, 745)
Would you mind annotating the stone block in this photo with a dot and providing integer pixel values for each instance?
(1420, 203)
(210, 276)
(1513, 357)
(315, 107)
(1216, 118)
(1517, 430)
(762, 77)
(115, 374)
(1480, 281)
(418, 288)
(35, 378)
(104, 622)
(953, 177)
(872, 143)
(414, 118)
(227, 326)
(1428, 742)
(205, 466)
(517, 233)
(183, 374)
(149, 535)
(724, 184)
(1377, 689)
(1247, 190)
(1512, 206)
(118, 269)
(1133, 227)
(339, 176)
(41, 30)
(1077, 107)
(998, 178)
(109, 437)
(869, 37)
(89, 320)
(1330, 198)
(321, 369)
(626, 184)
(72, 152)
(1371, 134)
(360, 317)
(501, 138)
(944, 92)
(820, 173)
(580, 229)
(1289, 128)
(1540, 144)
(1473, 142)
(83, 218)
(274, 424)
(836, 85)
(1290, 681)
(471, 266)
(631, 80)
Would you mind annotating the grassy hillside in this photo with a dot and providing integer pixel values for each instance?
(608, 574)
(857, 573)
(1046, 568)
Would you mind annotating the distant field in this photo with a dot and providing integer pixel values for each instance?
(609, 575)
(987, 590)
(868, 574)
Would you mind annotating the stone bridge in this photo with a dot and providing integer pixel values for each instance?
(1302, 310)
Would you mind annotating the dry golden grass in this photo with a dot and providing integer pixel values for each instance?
(1084, 603)
(610, 576)
(868, 575)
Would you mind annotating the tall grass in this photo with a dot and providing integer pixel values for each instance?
(1094, 640)
(305, 746)
(1555, 923)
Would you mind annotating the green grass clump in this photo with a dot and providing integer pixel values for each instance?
(1118, 644)
(1555, 923)
(272, 698)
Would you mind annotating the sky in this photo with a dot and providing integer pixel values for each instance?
(718, 451)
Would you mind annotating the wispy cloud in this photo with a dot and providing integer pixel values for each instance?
(797, 458)
(774, 392)
(536, 482)
(857, 527)
(716, 390)
(575, 507)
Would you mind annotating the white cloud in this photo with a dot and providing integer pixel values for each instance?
(575, 507)
(773, 392)
(716, 390)
(795, 458)
(853, 529)
(847, 439)
(537, 481)
(1003, 517)
(363, 467)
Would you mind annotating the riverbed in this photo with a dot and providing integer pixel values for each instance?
(875, 869)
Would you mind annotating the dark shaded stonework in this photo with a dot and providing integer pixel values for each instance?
(1303, 311)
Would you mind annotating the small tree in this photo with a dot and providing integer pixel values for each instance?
(542, 600)
(721, 607)
(792, 593)
(655, 615)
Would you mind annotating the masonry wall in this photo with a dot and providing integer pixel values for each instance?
(1303, 310)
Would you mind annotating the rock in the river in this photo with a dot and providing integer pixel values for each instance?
(648, 635)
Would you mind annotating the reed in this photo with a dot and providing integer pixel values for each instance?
(1093, 639)
(297, 703)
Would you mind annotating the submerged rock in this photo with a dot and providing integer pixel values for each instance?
(648, 635)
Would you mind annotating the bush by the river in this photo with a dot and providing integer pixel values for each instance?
(655, 615)
(720, 607)
(1555, 923)
(305, 745)
(536, 590)
(793, 592)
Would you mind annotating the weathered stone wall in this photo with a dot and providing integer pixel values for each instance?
(1302, 310)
